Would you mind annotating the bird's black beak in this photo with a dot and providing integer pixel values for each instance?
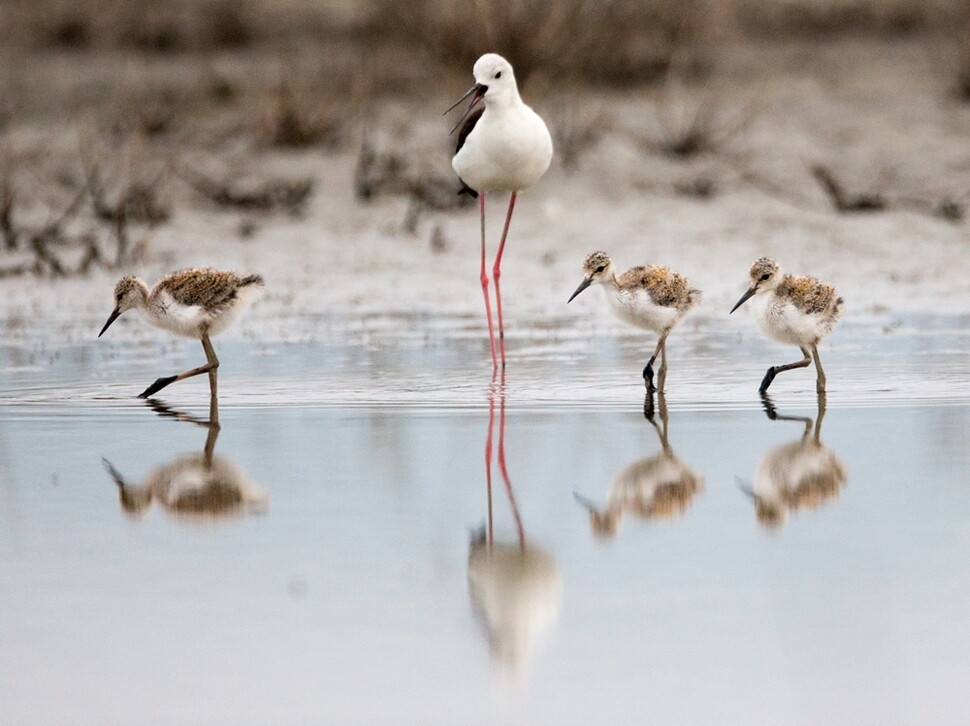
(588, 504)
(744, 297)
(477, 92)
(746, 488)
(111, 318)
(582, 286)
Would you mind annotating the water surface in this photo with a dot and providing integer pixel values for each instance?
(358, 562)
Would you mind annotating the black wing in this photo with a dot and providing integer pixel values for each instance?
(466, 128)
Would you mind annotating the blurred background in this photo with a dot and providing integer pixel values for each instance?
(119, 120)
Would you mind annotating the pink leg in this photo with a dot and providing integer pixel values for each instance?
(488, 462)
(497, 273)
(484, 280)
(505, 472)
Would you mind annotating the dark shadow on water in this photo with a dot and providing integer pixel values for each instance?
(657, 487)
(197, 487)
(515, 586)
(802, 474)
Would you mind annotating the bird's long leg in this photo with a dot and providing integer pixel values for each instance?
(664, 420)
(505, 473)
(819, 417)
(213, 411)
(497, 274)
(820, 380)
(775, 370)
(210, 443)
(484, 280)
(210, 356)
(662, 374)
(209, 368)
(488, 461)
(648, 369)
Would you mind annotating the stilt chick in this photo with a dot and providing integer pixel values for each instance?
(792, 309)
(650, 297)
(195, 303)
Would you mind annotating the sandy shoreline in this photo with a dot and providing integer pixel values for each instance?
(346, 257)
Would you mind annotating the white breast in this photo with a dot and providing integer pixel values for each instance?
(164, 312)
(782, 321)
(506, 151)
(636, 307)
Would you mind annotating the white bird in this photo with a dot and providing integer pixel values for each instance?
(650, 297)
(792, 309)
(195, 303)
(504, 147)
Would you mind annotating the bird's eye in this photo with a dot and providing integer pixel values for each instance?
(600, 268)
(765, 276)
(499, 74)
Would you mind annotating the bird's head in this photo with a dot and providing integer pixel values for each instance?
(130, 292)
(765, 275)
(597, 268)
(494, 82)
(494, 74)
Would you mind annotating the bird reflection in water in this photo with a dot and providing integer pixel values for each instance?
(661, 486)
(802, 474)
(515, 587)
(195, 486)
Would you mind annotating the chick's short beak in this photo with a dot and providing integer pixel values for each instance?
(744, 297)
(582, 286)
(111, 318)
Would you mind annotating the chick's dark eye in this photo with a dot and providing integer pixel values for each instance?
(499, 74)
(765, 276)
(600, 268)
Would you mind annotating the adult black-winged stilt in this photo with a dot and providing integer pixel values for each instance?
(504, 147)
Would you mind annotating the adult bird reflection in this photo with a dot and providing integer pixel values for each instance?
(661, 486)
(195, 486)
(802, 474)
(515, 587)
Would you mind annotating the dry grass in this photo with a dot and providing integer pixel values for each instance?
(576, 128)
(95, 221)
(832, 18)
(265, 196)
(298, 118)
(382, 170)
(958, 22)
(844, 201)
(616, 42)
(689, 122)
(166, 26)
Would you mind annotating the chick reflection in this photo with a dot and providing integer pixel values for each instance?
(515, 587)
(802, 474)
(661, 486)
(196, 486)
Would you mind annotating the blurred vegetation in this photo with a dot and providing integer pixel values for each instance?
(187, 82)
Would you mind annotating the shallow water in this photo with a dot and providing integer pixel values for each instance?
(344, 571)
